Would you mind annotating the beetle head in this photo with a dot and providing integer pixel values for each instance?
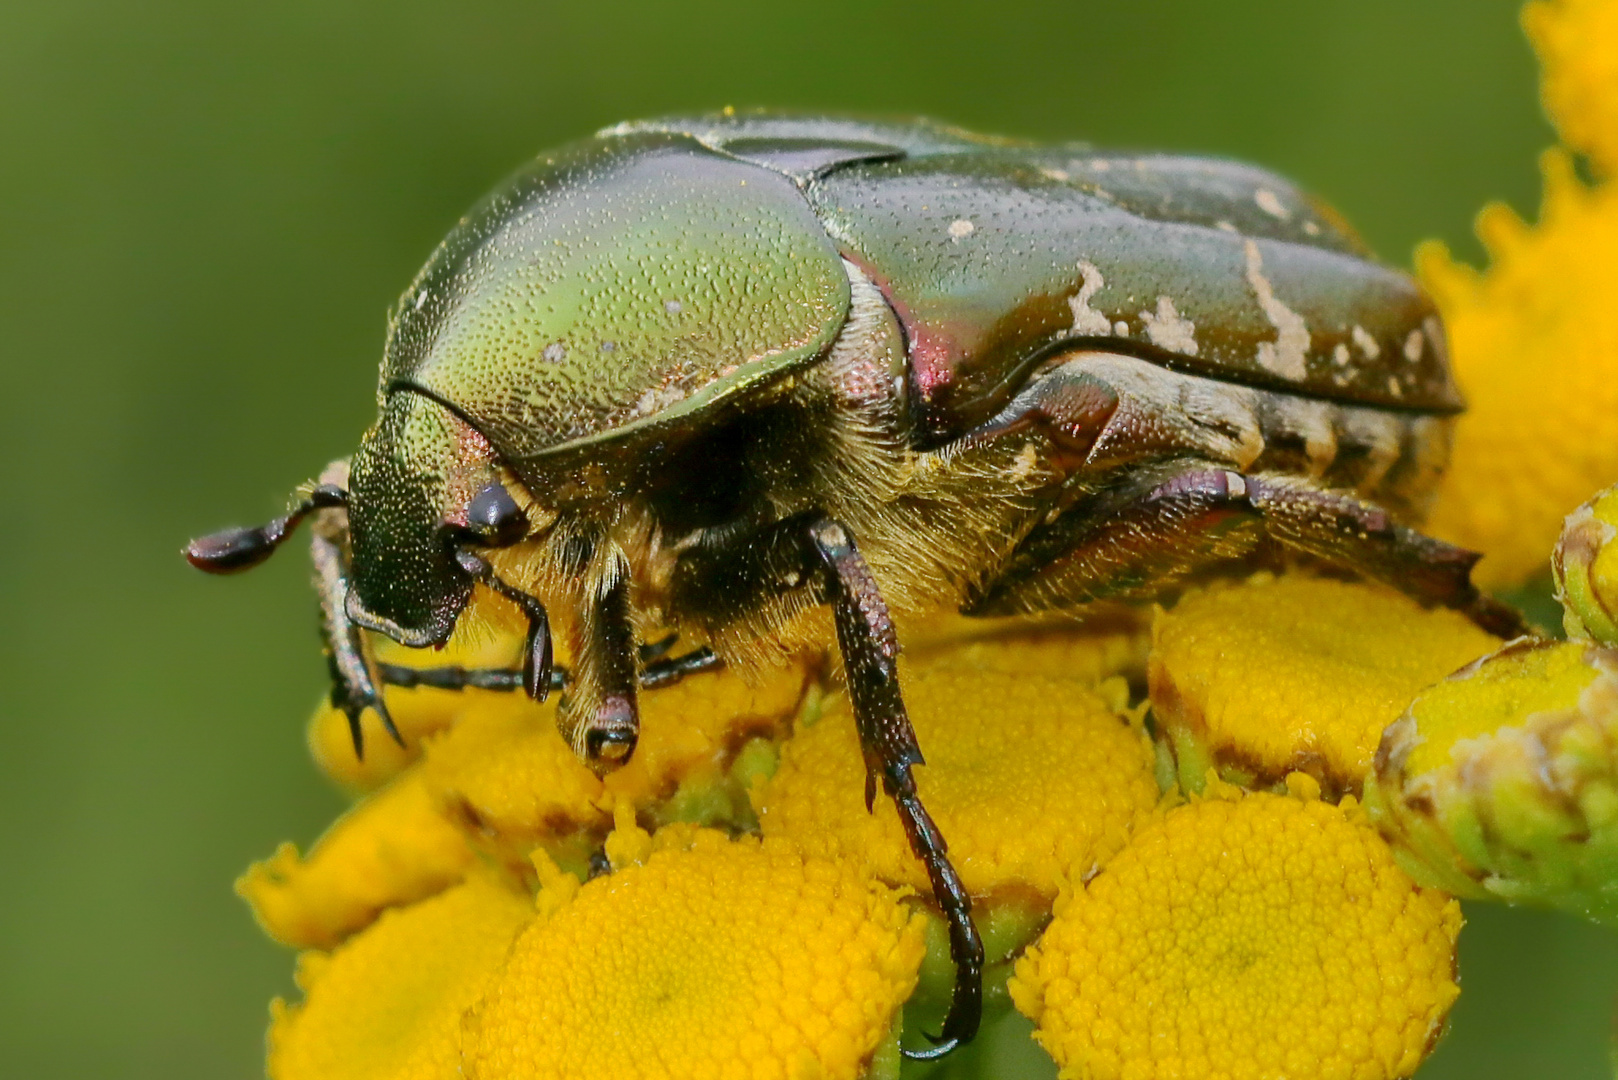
(423, 490)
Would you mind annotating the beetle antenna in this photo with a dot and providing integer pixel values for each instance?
(231, 550)
(537, 660)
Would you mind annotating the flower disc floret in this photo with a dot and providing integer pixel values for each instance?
(1031, 777)
(1296, 673)
(1244, 937)
(717, 960)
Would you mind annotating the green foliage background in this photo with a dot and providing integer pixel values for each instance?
(205, 210)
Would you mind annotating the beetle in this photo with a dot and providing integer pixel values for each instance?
(709, 374)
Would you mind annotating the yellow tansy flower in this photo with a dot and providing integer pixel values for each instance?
(387, 1005)
(1535, 339)
(1258, 936)
(1030, 776)
(1502, 781)
(1580, 85)
(1295, 673)
(713, 959)
(393, 848)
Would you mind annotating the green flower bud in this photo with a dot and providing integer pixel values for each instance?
(1585, 563)
(1501, 782)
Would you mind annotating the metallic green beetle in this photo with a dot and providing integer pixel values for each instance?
(707, 374)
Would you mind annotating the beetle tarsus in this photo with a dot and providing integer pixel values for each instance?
(537, 656)
(870, 660)
(671, 669)
(664, 672)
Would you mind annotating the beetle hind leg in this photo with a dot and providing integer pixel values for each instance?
(1158, 526)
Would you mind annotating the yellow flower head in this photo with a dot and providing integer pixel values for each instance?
(391, 849)
(1030, 776)
(1296, 673)
(1535, 339)
(1585, 566)
(1258, 936)
(387, 1005)
(712, 959)
(1502, 781)
(1580, 84)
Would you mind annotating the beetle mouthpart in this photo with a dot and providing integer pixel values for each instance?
(610, 739)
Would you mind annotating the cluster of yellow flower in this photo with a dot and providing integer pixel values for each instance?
(1219, 840)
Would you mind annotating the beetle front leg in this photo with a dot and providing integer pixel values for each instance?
(356, 676)
(600, 717)
(815, 552)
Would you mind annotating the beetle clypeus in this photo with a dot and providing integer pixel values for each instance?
(704, 375)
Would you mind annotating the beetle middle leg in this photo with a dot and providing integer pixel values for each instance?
(813, 552)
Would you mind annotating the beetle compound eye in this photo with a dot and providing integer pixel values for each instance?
(495, 519)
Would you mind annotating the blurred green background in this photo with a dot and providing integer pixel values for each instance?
(205, 210)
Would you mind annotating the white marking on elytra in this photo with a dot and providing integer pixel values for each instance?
(555, 352)
(1168, 329)
(1226, 226)
(1394, 388)
(960, 229)
(1086, 320)
(1120, 328)
(1311, 228)
(1269, 202)
(671, 306)
(1339, 354)
(421, 299)
(656, 400)
(1414, 344)
(1286, 355)
(1365, 342)
(1054, 174)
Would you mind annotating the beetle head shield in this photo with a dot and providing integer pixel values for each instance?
(409, 482)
